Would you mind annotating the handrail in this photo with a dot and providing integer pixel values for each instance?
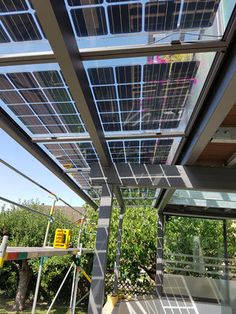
(39, 185)
(26, 207)
(205, 264)
(204, 257)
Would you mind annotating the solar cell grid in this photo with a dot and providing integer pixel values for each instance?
(41, 101)
(112, 17)
(151, 151)
(3, 36)
(18, 22)
(143, 96)
(136, 193)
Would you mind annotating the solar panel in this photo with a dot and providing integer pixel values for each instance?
(151, 151)
(150, 95)
(138, 193)
(13, 5)
(89, 21)
(126, 18)
(73, 155)
(41, 101)
(107, 19)
(19, 23)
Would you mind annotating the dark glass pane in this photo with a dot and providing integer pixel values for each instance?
(84, 2)
(70, 119)
(4, 83)
(22, 80)
(21, 110)
(107, 106)
(64, 107)
(50, 120)
(184, 70)
(129, 91)
(105, 92)
(125, 18)
(130, 105)
(33, 95)
(3, 36)
(156, 72)
(89, 21)
(199, 13)
(101, 76)
(42, 109)
(21, 27)
(57, 94)
(49, 79)
(11, 97)
(13, 5)
(161, 15)
(128, 74)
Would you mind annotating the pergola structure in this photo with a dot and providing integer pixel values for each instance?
(131, 98)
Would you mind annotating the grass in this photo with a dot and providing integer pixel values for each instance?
(6, 307)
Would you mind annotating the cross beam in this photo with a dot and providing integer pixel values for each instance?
(164, 176)
(199, 212)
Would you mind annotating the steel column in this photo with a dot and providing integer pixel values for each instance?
(97, 289)
(118, 252)
(159, 260)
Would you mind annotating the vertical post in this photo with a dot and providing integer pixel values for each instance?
(77, 270)
(3, 249)
(225, 250)
(118, 252)
(96, 297)
(41, 259)
(159, 261)
(227, 308)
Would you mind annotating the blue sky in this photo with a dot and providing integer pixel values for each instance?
(14, 187)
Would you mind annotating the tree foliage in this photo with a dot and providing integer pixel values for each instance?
(138, 251)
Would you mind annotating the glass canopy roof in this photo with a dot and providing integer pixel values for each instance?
(204, 199)
(132, 97)
(106, 23)
(149, 93)
(99, 23)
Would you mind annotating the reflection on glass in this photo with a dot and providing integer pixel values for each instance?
(155, 94)
(103, 23)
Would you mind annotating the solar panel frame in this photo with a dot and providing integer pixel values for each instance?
(39, 104)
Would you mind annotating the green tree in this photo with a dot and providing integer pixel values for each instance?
(25, 228)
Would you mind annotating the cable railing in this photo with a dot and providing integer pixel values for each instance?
(200, 266)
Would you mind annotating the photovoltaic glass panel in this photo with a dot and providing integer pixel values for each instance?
(74, 156)
(38, 97)
(19, 23)
(138, 193)
(147, 94)
(149, 151)
(99, 23)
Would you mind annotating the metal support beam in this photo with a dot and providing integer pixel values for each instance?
(12, 128)
(151, 50)
(225, 135)
(117, 52)
(55, 21)
(165, 176)
(118, 252)
(159, 260)
(218, 104)
(27, 58)
(228, 308)
(113, 136)
(199, 212)
(96, 298)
